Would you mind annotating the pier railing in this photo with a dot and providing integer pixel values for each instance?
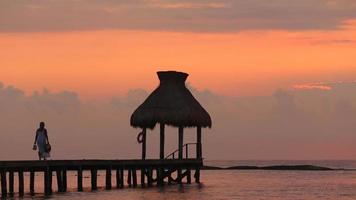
(185, 149)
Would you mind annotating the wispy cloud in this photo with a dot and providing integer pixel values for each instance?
(312, 87)
(175, 15)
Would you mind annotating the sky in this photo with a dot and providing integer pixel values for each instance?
(278, 77)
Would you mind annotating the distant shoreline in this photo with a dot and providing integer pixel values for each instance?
(278, 168)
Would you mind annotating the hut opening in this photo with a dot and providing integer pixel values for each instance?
(171, 103)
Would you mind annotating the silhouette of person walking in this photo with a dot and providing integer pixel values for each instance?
(42, 142)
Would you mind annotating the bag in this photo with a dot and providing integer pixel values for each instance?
(48, 148)
(34, 147)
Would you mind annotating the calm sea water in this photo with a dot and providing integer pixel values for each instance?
(229, 184)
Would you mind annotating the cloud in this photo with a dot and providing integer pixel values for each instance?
(290, 124)
(174, 15)
(312, 87)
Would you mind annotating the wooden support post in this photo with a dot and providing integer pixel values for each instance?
(161, 146)
(50, 181)
(149, 177)
(32, 182)
(121, 178)
(180, 143)
(80, 179)
(143, 143)
(134, 177)
(118, 178)
(108, 179)
(11, 183)
(160, 176)
(199, 154)
(94, 184)
(64, 179)
(59, 180)
(180, 153)
(197, 175)
(21, 184)
(189, 176)
(199, 143)
(47, 189)
(3, 184)
(129, 177)
(143, 175)
(170, 179)
(180, 175)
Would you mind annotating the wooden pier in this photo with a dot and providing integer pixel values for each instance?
(153, 172)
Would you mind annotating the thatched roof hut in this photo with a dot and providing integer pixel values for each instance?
(172, 104)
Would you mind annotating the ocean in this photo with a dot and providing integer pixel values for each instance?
(230, 184)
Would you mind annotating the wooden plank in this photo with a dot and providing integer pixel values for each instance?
(32, 183)
(89, 164)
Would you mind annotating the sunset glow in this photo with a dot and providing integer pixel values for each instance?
(102, 64)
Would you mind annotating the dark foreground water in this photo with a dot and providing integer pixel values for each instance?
(230, 184)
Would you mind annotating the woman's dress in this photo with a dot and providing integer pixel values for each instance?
(41, 143)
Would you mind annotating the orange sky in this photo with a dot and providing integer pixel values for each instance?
(102, 64)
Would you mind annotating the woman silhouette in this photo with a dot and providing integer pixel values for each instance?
(42, 142)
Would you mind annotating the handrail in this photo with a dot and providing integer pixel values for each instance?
(186, 151)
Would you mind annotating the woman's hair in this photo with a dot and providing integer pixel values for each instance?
(42, 124)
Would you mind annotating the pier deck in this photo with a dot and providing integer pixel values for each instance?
(164, 171)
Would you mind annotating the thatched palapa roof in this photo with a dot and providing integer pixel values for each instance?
(172, 104)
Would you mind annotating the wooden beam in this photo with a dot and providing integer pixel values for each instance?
(161, 146)
(144, 144)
